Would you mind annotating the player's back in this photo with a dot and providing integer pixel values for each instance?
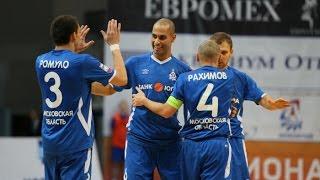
(206, 94)
(66, 102)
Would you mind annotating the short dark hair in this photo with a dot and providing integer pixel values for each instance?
(62, 27)
(220, 37)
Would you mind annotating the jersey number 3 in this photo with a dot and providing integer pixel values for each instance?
(54, 88)
(202, 106)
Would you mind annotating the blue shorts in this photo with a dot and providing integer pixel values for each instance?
(75, 166)
(207, 159)
(140, 161)
(117, 155)
(239, 162)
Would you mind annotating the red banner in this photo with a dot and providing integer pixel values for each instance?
(283, 160)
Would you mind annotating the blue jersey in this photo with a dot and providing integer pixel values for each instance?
(206, 94)
(245, 89)
(65, 81)
(156, 79)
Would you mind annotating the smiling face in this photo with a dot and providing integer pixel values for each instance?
(161, 40)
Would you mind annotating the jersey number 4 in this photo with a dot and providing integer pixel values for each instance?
(202, 106)
(54, 88)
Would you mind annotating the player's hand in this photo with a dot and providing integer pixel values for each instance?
(139, 98)
(82, 44)
(112, 35)
(280, 103)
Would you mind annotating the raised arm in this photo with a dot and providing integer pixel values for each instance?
(163, 109)
(112, 38)
(269, 103)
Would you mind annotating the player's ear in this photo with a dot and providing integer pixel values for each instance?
(197, 57)
(73, 37)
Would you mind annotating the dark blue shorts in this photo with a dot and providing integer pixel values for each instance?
(140, 161)
(75, 166)
(207, 159)
(239, 162)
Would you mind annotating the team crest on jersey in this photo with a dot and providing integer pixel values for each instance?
(105, 68)
(172, 75)
(145, 71)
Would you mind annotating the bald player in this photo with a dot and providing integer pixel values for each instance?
(206, 94)
(153, 141)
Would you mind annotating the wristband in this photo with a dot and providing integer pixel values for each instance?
(114, 47)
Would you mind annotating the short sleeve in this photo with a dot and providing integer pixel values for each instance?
(252, 91)
(93, 70)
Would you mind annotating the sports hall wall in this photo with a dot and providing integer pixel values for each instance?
(275, 42)
(24, 35)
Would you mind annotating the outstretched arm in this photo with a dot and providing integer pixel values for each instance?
(101, 90)
(163, 109)
(269, 103)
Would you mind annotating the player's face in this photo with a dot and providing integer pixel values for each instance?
(226, 53)
(161, 41)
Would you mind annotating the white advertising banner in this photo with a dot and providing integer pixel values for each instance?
(281, 66)
(21, 159)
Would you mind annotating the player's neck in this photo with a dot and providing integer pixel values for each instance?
(69, 47)
(162, 58)
(206, 63)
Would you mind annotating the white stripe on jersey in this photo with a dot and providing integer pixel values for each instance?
(125, 156)
(85, 125)
(182, 121)
(228, 168)
(130, 117)
(245, 151)
(113, 75)
(229, 125)
(88, 163)
(240, 119)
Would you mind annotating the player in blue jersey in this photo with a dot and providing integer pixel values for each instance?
(153, 141)
(65, 79)
(206, 94)
(245, 89)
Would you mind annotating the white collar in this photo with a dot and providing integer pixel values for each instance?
(160, 62)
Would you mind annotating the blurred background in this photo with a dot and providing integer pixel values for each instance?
(276, 42)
